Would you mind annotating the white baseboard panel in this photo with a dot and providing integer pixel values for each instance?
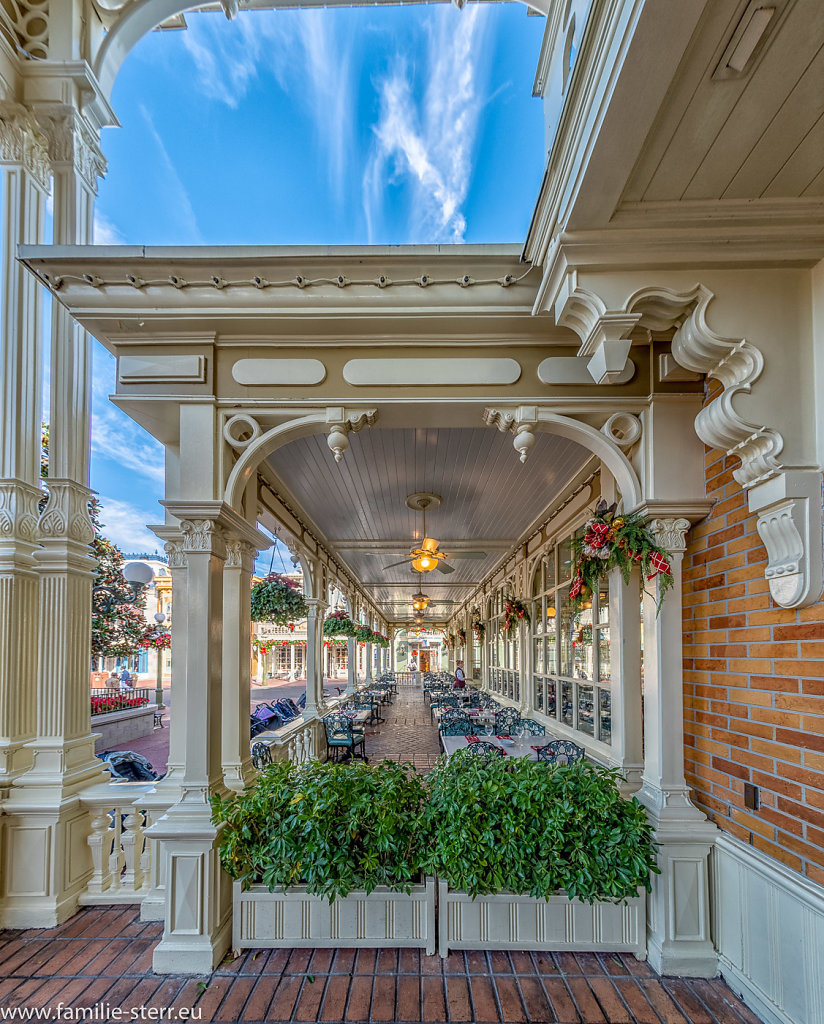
(768, 927)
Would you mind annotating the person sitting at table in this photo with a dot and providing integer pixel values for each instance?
(460, 677)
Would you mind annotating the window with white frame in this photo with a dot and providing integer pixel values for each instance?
(504, 652)
(570, 649)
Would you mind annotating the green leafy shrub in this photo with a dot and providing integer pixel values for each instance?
(506, 824)
(331, 827)
(339, 624)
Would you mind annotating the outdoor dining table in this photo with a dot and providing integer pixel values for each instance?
(476, 714)
(520, 748)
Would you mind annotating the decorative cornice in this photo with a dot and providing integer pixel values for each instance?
(23, 142)
(72, 142)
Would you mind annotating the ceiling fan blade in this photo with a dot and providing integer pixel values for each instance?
(443, 567)
(395, 564)
(469, 554)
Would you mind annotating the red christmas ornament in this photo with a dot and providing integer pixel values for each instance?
(658, 564)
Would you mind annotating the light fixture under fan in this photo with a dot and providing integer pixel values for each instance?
(427, 556)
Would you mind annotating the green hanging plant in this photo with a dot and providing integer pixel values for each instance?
(278, 599)
(339, 624)
(612, 541)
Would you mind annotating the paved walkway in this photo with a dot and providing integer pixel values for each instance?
(103, 957)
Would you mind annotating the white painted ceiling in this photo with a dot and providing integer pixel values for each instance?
(359, 506)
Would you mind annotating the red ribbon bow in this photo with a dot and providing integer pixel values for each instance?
(658, 564)
(596, 535)
(577, 585)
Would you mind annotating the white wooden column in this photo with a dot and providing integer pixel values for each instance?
(237, 667)
(368, 660)
(314, 660)
(24, 159)
(351, 665)
(678, 927)
(197, 923)
(625, 678)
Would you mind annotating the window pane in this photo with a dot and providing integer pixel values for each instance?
(539, 695)
(586, 710)
(583, 664)
(605, 704)
(537, 613)
(565, 559)
(539, 657)
(550, 575)
(538, 580)
(551, 634)
(566, 703)
(565, 626)
(604, 660)
(551, 702)
(603, 601)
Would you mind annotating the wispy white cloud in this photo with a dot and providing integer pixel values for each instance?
(178, 194)
(304, 51)
(124, 524)
(118, 438)
(105, 232)
(431, 143)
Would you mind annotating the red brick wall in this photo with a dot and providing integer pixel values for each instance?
(753, 687)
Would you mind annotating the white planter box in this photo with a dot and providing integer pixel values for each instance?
(117, 729)
(294, 919)
(506, 921)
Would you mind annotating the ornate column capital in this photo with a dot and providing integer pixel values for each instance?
(66, 515)
(23, 142)
(240, 555)
(203, 536)
(72, 142)
(670, 533)
(18, 511)
(175, 554)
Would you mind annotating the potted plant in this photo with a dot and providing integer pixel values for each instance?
(276, 598)
(328, 855)
(338, 624)
(536, 857)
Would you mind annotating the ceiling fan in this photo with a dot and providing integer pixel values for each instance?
(427, 556)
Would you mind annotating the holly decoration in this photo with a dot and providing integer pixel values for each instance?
(478, 628)
(159, 642)
(611, 541)
(515, 611)
(276, 598)
(461, 637)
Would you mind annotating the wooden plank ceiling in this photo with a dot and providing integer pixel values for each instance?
(489, 501)
(757, 135)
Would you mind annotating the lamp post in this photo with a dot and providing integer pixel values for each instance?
(159, 618)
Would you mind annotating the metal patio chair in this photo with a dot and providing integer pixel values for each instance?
(560, 752)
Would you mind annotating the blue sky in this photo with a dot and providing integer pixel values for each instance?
(370, 125)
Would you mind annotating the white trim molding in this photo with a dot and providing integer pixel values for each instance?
(768, 928)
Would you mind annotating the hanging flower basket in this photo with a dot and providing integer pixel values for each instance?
(278, 599)
(159, 642)
(339, 624)
(612, 541)
(461, 637)
(478, 628)
(515, 612)
(380, 640)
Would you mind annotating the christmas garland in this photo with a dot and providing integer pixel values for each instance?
(264, 647)
(514, 612)
(461, 637)
(478, 628)
(159, 642)
(278, 599)
(609, 542)
(335, 643)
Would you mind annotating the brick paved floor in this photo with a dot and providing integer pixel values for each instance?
(104, 956)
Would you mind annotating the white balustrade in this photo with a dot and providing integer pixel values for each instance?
(122, 861)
